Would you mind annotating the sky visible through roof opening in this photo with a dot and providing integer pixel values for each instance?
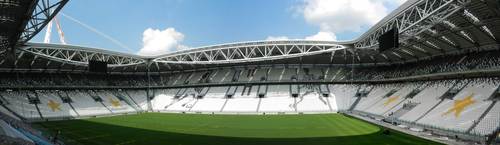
(154, 27)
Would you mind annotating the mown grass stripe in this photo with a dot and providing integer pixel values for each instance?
(191, 129)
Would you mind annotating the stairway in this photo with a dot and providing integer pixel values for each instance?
(428, 111)
(294, 90)
(481, 117)
(249, 90)
(13, 112)
(454, 90)
(98, 99)
(175, 101)
(355, 103)
(36, 105)
(180, 92)
(243, 91)
(493, 137)
(390, 93)
(262, 91)
(3, 100)
(496, 95)
(106, 107)
(413, 93)
(258, 105)
(203, 91)
(129, 101)
(231, 91)
(294, 104)
(328, 102)
(323, 99)
(402, 101)
(192, 106)
(405, 109)
(4, 104)
(236, 76)
(133, 101)
(324, 89)
(69, 103)
(225, 102)
(447, 95)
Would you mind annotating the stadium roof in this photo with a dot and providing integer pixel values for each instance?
(20, 20)
(427, 28)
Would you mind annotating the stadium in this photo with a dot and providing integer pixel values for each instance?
(427, 73)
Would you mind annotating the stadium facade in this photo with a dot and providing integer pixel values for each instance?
(443, 78)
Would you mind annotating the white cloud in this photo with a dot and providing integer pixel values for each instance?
(338, 16)
(322, 36)
(400, 2)
(343, 15)
(156, 41)
(277, 38)
(182, 47)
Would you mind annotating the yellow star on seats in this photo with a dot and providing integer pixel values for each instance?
(460, 105)
(54, 105)
(114, 102)
(390, 100)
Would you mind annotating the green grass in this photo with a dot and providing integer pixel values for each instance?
(194, 129)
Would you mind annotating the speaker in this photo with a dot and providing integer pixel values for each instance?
(98, 66)
(388, 40)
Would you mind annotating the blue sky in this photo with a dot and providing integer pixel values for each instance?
(184, 24)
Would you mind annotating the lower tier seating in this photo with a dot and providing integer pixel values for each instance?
(468, 106)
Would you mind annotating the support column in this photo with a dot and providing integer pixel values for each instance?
(148, 94)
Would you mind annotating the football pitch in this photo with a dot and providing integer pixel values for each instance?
(201, 129)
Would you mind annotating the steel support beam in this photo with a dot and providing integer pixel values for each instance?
(414, 20)
(80, 55)
(250, 52)
(43, 12)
